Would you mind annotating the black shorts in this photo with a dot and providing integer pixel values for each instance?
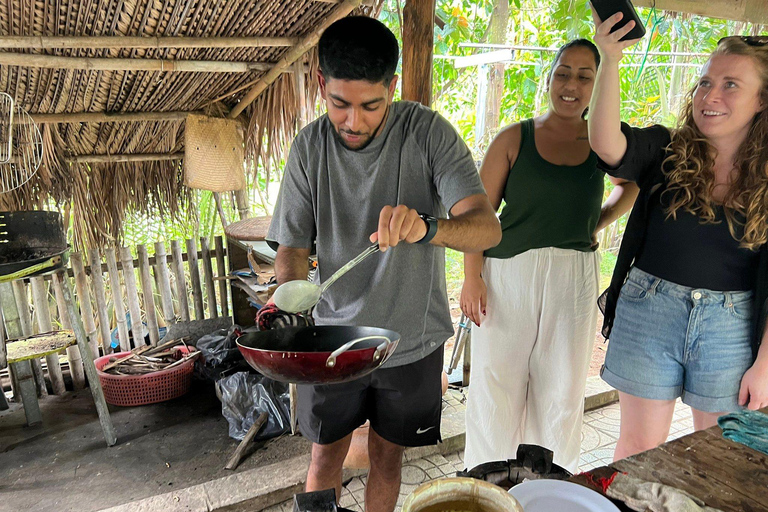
(402, 403)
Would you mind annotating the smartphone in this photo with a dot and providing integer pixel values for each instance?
(607, 8)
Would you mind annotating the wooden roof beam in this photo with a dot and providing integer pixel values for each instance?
(110, 117)
(111, 159)
(66, 42)
(367, 3)
(344, 8)
(753, 11)
(104, 64)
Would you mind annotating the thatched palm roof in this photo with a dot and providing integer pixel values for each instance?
(61, 73)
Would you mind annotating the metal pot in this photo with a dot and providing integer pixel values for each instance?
(318, 355)
(31, 239)
(460, 494)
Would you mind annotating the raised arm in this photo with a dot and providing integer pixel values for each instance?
(605, 136)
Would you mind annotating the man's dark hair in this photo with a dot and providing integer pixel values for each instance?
(358, 48)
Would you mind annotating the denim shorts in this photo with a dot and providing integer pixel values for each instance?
(672, 341)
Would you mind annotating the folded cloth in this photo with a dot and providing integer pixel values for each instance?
(747, 427)
(641, 495)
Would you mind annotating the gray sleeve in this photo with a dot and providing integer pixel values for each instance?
(293, 220)
(453, 169)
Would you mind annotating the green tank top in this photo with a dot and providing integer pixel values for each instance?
(548, 205)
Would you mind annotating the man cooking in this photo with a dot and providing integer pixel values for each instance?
(376, 170)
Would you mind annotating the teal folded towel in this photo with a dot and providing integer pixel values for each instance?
(747, 427)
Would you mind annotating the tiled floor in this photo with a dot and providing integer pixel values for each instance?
(598, 440)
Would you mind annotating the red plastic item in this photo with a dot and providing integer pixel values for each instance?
(132, 390)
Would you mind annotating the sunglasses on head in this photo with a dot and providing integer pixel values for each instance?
(748, 40)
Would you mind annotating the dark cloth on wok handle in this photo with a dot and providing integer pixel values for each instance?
(270, 317)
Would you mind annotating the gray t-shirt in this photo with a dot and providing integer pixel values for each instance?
(332, 196)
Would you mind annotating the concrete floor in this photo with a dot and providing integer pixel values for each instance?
(64, 464)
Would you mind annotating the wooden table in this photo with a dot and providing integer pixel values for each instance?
(722, 473)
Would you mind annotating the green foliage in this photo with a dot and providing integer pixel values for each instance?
(652, 89)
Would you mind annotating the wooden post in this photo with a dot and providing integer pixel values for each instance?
(4, 363)
(9, 318)
(73, 355)
(40, 299)
(25, 378)
(25, 326)
(97, 281)
(221, 271)
(418, 41)
(149, 299)
(164, 284)
(117, 300)
(243, 206)
(210, 290)
(90, 368)
(86, 309)
(194, 276)
(181, 283)
(132, 293)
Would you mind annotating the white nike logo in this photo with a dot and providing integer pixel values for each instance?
(419, 431)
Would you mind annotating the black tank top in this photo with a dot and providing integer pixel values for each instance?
(689, 253)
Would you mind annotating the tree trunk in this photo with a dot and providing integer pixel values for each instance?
(418, 43)
(495, 89)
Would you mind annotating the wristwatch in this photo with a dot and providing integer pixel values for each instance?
(431, 223)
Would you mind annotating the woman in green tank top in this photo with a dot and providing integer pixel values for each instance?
(533, 297)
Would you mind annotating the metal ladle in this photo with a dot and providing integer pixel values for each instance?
(300, 295)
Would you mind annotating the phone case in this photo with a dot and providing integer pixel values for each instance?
(607, 8)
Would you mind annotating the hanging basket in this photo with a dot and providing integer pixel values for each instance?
(213, 154)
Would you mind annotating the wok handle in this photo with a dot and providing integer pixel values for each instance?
(380, 350)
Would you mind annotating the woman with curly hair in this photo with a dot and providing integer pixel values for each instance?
(686, 307)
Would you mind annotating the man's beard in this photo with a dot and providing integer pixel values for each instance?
(367, 142)
(344, 143)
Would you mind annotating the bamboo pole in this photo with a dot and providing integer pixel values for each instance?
(132, 294)
(164, 284)
(90, 369)
(40, 300)
(73, 354)
(97, 282)
(194, 276)
(138, 157)
(221, 271)
(67, 42)
(210, 289)
(293, 54)
(86, 309)
(112, 117)
(181, 282)
(25, 325)
(117, 300)
(149, 299)
(29, 60)
(243, 206)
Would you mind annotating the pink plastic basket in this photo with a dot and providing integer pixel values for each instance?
(131, 390)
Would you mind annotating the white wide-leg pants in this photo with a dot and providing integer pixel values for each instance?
(530, 356)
